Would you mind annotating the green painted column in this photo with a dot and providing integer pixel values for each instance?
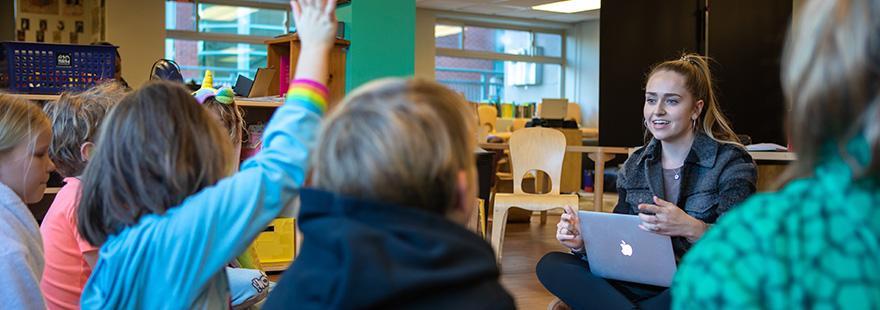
(382, 35)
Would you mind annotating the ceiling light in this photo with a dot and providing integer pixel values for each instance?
(570, 6)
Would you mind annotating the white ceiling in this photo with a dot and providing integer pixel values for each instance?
(511, 8)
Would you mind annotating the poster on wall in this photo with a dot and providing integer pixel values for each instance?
(73, 8)
(39, 6)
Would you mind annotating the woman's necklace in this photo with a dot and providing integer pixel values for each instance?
(677, 173)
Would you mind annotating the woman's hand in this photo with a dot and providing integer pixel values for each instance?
(670, 220)
(568, 230)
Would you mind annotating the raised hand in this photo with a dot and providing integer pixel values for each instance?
(315, 22)
(316, 25)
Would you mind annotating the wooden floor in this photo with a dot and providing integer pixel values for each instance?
(524, 245)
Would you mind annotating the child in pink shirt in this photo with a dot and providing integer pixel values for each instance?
(69, 258)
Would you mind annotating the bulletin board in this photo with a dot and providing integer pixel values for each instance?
(59, 21)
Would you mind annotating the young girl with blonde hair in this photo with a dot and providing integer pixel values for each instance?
(25, 134)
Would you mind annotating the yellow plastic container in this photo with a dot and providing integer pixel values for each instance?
(276, 246)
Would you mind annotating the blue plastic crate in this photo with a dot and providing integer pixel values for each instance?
(41, 68)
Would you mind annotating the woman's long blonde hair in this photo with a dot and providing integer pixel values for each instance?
(698, 80)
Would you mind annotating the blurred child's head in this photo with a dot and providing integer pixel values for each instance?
(25, 135)
(406, 142)
(155, 148)
(75, 119)
(830, 79)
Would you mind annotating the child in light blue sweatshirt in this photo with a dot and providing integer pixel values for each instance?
(151, 196)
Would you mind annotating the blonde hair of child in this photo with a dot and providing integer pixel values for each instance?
(21, 121)
(398, 141)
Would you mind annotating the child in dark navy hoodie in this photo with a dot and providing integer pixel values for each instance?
(393, 182)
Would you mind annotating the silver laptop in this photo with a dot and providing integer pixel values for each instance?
(618, 249)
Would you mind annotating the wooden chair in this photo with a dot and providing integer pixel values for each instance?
(540, 149)
(488, 115)
(505, 175)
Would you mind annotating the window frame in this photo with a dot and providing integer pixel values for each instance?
(196, 35)
(461, 52)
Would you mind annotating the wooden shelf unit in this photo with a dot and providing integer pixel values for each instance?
(289, 46)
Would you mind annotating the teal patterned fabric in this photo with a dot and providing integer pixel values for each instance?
(814, 244)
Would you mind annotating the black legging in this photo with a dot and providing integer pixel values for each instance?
(569, 278)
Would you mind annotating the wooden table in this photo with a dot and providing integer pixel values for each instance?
(586, 133)
(770, 165)
(601, 154)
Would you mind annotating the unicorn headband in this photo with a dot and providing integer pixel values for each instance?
(224, 95)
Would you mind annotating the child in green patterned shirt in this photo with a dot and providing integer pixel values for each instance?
(815, 243)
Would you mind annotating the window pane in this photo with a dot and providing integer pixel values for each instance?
(448, 36)
(489, 80)
(497, 40)
(180, 15)
(549, 44)
(241, 20)
(226, 60)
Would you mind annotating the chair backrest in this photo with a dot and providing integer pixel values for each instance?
(537, 148)
(574, 112)
(487, 115)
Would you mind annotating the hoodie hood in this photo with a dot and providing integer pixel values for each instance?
(363, 254)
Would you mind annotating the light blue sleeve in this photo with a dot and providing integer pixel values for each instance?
(216, 224)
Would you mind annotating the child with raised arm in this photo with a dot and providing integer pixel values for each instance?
(151, 196)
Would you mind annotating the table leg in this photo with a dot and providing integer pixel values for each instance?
(599, 158)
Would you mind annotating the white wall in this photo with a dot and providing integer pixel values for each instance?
(138, 28)
(425, 52)
(582, 70)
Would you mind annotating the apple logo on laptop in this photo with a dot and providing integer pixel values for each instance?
(625, 249)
